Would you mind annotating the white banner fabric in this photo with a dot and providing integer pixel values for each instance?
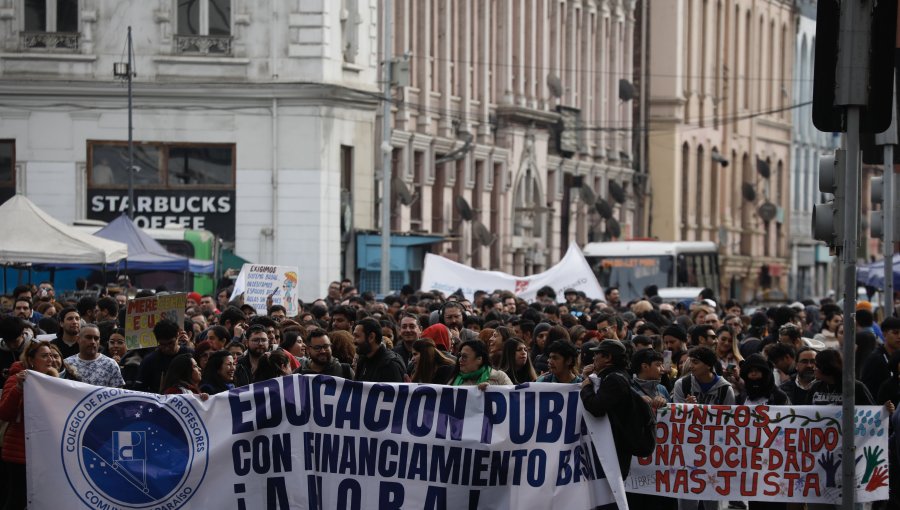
(315, 442)
(257, 282)
(761, 453)
(572, 272)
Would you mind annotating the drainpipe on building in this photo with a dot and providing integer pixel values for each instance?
(643, 209)
(273, 66)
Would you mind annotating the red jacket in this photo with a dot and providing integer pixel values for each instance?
(12, 408)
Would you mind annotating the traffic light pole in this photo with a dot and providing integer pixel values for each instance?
(848, 263)
(887, 248)
(851, 92)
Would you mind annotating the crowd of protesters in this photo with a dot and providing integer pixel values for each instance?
(700, 351)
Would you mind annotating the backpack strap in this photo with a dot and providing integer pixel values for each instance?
(720, 397)
(686, 383)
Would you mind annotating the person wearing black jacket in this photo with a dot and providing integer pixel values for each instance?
(155, 364)
(875, 370)
(320, 360)
(376, 362)
(613, 397)
(759, 383)
(828, 390)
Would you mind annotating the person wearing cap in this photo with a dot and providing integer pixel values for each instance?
(876, 369)
(192, 300)
(606, 391)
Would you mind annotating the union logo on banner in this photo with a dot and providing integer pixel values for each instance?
(521, 286)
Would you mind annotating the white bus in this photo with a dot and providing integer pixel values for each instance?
(633, 265)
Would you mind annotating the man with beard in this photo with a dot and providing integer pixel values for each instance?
(797, 388)
(376, 362)
(93, 367)
(320, 360)
(257, 345)
(69, 326)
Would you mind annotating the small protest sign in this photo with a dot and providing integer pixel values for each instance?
(259, 282)
(143, 313)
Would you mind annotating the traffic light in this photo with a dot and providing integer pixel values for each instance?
(828, 218)
(875, 118)
(876, 218)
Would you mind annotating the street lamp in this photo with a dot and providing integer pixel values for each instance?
(125, 70)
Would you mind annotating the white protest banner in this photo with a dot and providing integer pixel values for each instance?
(257, 282)
(143, 313)
(572, 272)
(761, 453)
(313, 442)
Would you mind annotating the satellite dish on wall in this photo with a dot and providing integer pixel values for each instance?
(762, 168)
(626, 90)
(587, 194)
(555, 85)
(613, 228)
(482, 234)
(402, 191)
(748, 192)
(603, 208)
(464, 209)
(767, 211)
(617, 191)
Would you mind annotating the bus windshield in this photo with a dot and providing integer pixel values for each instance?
(632, 274)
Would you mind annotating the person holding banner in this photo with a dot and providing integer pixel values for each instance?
(432, 365)
(320, 360)
(218, 375)
(607, 392)
(37, 357)
(562, 357)
(376, 363)
(515, 363)
(473, 367)
(183, 377)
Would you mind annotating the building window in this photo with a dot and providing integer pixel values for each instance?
(162, 166)
(50, 25)
(7, 169)
(204, 27)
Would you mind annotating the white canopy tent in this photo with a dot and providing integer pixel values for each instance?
(30, 235)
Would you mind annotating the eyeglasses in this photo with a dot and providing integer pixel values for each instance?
(320, 347)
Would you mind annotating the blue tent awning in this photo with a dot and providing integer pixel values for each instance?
(873, 274)
(144, 253)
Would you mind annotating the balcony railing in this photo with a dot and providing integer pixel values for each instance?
(50, 41)
(216, 45)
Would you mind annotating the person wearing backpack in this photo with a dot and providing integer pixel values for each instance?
(702, 386)
(607, 392)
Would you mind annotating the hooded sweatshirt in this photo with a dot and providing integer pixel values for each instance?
(708, 395)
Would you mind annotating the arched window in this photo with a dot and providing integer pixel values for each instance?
(528, 202)
(698, 197)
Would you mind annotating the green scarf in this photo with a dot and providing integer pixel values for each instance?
(481, 375)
